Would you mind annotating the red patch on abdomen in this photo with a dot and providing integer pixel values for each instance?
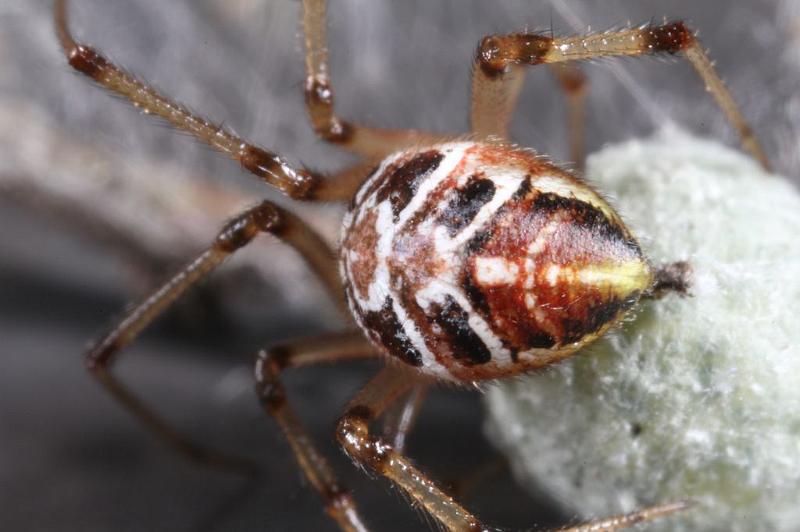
(361, 244)
(544, 308)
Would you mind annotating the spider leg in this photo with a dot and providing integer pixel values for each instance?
(366, 141)
(339, 505)
(499, 56)
(619, 522)
(297, 183)
(400, 418)
(572, 81)
(263, 218)
(494, 100)
(376, 455)
(343, 185)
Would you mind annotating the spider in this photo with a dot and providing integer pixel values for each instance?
(463, 258)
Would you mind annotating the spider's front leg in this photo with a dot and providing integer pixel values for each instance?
(365, 141)
(376, 455)
(295, 182)
(500, 57)
(494, 99)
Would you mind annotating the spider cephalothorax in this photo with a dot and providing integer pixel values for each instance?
(475, 261)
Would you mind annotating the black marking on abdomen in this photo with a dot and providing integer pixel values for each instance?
(385, 324)
(403, 180)
(474, 293)
(467, 346)
(523, 190)
(596, 317)
(477, 242)
(540, 340)
(353, 204)
(466, 203)
(586, 215)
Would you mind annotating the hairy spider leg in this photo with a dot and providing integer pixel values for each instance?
(241, 230)
(619, 522)
(365, 141)
(499, 58)
(375, 454)
(296, 182)
(494, 100)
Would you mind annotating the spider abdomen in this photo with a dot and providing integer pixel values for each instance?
(474, 261)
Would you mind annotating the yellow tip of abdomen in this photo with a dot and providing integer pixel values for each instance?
(621, 279)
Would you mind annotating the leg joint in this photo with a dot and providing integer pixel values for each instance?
(241, 230)
(671, 38)
(337, 499)
(87, 61)
(98, 357)
(497, 52)
(269, 388)
(319, 100)
(297, 183)
(352, 432)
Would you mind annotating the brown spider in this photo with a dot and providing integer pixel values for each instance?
(462, 259)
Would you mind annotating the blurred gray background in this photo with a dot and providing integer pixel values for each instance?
(98, 203)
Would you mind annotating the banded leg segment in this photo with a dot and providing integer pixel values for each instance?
(366, 141)
(499, 55)
(375, 454)
(339, 505)
(264, 218)
(297, 183)
(270, 167)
